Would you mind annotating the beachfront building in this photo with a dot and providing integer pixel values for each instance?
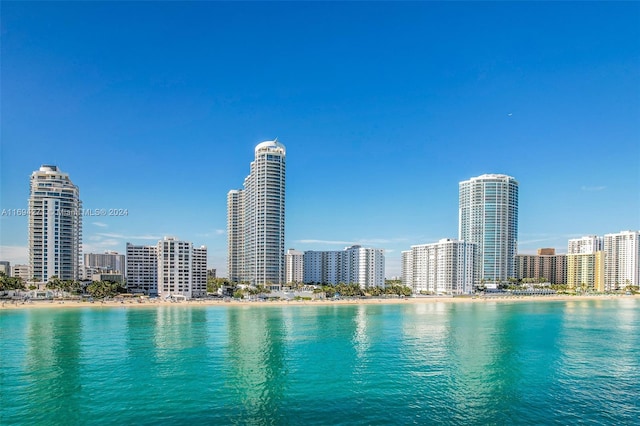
(355, 264)
(488, 217)
(406, 268)
(445, 267)
(142, 269)
(586, 245)
(182, 270)
(235, 235)
(55, 225)
(294, 266)
(585, 271)
(546, 266)
(256, 219)
(622, 260)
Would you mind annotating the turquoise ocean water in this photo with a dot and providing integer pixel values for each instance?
(437, 363)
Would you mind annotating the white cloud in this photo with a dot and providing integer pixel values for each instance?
(17, 255)
(593, 188)
(100, 224)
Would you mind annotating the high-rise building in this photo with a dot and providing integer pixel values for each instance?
(142, 269)
(586, 245)
(5, 267)
(107, 261)
(445, 267)
(406, 267)
(199, 272)
(182, 269)
(622, 260)
(235, 235)
(545, 265)
(55, 225)
(585, 271)
(294, 266)
(255, 220)
(488, 217)
(355, 264)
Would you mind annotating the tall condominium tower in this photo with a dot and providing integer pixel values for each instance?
(182, 269)
(622, 260)
(443, 267)
(488, 217)
(255, 220)
(55, 225)
(142, 269)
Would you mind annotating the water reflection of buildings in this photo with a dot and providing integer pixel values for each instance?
(256, 357)
(53, 366)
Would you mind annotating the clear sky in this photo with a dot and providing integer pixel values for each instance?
(155, 107)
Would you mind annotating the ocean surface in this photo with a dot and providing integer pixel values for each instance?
(575, 362)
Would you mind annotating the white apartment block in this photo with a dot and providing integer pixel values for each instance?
(445, 267)
(55, 225)
(622, 260)
(142, 269)
(182, 270)
(235, 235)
(294, 266)
(407, 268)
(21, 271)
(586, 245)
(355, 264)
(488, 217)
(256, 219)
(107, 261)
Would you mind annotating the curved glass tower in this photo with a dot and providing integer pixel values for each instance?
(55, 225)
(255, 220)
(488, 217)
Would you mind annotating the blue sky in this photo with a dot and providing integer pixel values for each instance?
(155, 107)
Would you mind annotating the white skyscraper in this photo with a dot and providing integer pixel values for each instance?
(488, 217)
(255, 220)
(622, 260)
(55, 225)
(445, 267)
(142, 269)
(182, 270)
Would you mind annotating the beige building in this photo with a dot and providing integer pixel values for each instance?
(586, 271)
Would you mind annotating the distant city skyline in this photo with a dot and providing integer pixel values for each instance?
(382, 117)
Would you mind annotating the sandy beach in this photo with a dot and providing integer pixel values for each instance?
(146, 303)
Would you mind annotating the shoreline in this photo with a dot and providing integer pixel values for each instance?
(66, 304)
